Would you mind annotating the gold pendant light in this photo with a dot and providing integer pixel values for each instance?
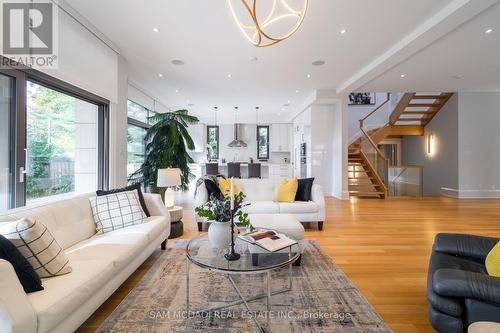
(259, 28)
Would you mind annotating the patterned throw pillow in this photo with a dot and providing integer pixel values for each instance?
(38, 246)
(117, 211)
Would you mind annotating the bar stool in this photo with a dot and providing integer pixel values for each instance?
(233, 170)
(254, 170)
(212, 169)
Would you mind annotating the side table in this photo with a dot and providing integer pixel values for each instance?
(176, 225)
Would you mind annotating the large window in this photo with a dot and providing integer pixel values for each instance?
(213, 142)
(262, 142)
(139, 121)
(53, 139)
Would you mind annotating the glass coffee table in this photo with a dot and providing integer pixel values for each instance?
(200, 252)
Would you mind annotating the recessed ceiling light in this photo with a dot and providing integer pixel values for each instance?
(458, 76)
(191, 104)
(488, 31)
(177, 62)
(343, 31)
(160, 75)
(176, 90)
(254, 59)
(308, 76)
(156, 30)
(297, 91)
(318, 63)
(229, 76)
(286, 105)
(403, 75)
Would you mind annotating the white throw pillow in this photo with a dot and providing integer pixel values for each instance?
(38, 246)
(117, 211)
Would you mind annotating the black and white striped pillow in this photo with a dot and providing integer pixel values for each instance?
(117, 211)
(38, 246)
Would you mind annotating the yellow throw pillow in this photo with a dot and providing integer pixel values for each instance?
(287, 190)
(493, 261)
(225, 186)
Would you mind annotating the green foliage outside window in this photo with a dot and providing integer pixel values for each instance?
(50, 140)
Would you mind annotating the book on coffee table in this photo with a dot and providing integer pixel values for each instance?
(269, 240)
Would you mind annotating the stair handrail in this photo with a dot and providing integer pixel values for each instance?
(380, 154)
(361, 127)
(388, 98)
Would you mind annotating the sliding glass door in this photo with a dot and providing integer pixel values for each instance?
(53, 139)
(62, 144)
(7, 109)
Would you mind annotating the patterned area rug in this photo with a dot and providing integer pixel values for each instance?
(322, 299)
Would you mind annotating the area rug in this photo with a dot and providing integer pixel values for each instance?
(322, 299)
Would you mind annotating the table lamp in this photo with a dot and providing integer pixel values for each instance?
(169, 178)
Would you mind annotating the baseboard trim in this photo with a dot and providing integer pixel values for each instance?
(470, 194)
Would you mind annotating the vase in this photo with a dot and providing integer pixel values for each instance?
(219, 234)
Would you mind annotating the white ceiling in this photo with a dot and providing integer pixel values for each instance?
(204, 35)
(467, 52)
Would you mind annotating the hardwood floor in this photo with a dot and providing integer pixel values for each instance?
(382, 245)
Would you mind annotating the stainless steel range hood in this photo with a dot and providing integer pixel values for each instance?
(237, 142)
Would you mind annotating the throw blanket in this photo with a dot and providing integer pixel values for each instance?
(201, 181)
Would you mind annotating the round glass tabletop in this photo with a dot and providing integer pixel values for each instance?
(253, 259)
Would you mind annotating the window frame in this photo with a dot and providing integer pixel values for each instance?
(217, 139)
(23, 74)
(267, 128)
(138, 123)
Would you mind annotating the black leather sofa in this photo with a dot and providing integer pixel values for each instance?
(459, 290)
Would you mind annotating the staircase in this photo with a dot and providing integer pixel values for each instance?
(363, 179)
(366, 161)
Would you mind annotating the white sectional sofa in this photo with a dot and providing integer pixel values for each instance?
(101, 263)
(261, 194)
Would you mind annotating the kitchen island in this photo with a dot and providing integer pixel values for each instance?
(268, 170)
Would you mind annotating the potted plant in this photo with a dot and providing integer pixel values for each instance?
(168, 142)
(218, 213)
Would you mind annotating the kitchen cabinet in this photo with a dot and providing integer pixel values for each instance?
(280, 138)
(197, 133)
(279, 171)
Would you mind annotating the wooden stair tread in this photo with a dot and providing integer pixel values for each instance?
(366, 193)
(420, 112)
(428, 97)
(361, 177)
(424, 105)
(410, 119)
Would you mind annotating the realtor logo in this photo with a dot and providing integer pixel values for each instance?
(29, 33)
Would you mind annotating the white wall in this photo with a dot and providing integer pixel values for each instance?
(478, 148)
(118, 130)
(84, 60)
(357, 112)
(328, 118)
(440, 171)
(340, 143)
(321, 147)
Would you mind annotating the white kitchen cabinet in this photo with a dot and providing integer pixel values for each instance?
(280, 138)
(197, 133)
(279, 171)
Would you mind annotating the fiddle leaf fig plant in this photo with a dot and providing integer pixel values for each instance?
(168, 143)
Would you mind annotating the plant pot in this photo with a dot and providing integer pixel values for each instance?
(219, 234)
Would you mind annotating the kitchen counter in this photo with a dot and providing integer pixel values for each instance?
(245, 164)
(268, 170)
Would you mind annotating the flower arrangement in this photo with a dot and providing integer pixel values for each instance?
(220, 210)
